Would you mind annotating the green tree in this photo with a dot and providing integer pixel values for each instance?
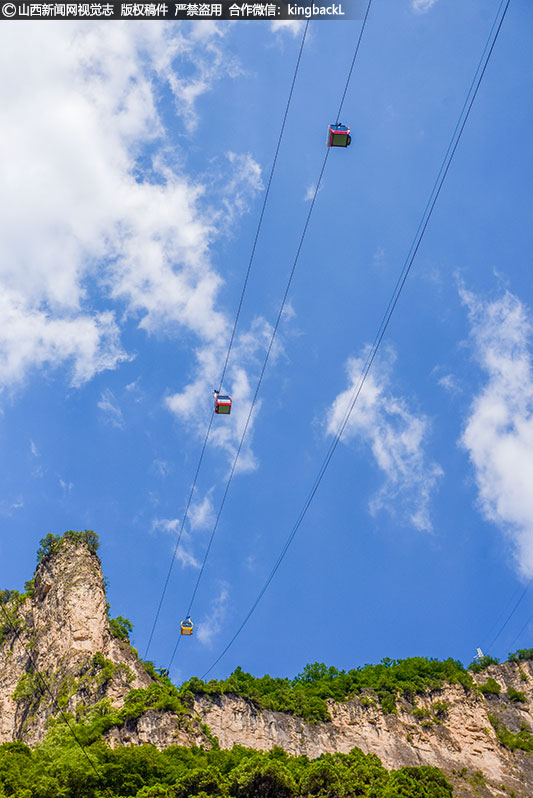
(422, 782)
(121, 628)
(324, 778)
(262, 779)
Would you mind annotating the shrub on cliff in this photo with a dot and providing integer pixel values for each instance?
(480, 664)
(523, 740)
(159, 696)
(516, 696)
(120, 627)
(52, 544)
(522, 655)
(490, 687)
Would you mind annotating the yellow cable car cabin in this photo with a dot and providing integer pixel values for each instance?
(187, 626)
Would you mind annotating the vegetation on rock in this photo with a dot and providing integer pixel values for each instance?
(522, 740)
(490, 687)
(521, 655)
(307, 693)
(480, 664)
(57, 767)
(10, 620)
(516, 696)
(51, 544)
(121, 628)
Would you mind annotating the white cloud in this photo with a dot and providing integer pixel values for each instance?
(499, 431)
(209, 627)
(421, 6)
(7, 508)
(450, 384)
(396, 437)
(112, 412)
(250, 562)
(161, 467)
(290, 26)
(171, 526)
(245, 181)
(378, 258)
(195, 402)
(33, 338)
(201, 48)
(135, 390)
(201, 514)
(310, 192)
(89, 236)
(34, 449)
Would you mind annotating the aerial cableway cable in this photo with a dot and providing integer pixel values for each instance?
(230, 346)
(45, 688)
(519, 635)
(504, 624)
(406, 268)
(272, 338)
(510, 609)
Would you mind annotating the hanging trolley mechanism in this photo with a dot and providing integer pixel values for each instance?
(338, 136)
(222, 403)
(187, 626)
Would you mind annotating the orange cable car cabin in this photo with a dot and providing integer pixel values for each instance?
(186, 626)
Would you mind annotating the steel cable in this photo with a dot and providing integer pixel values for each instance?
(275, 329)
(258, 230)
(406, 268)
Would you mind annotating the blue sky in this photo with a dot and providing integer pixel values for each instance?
(135, 161)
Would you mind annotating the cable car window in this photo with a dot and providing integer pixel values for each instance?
(339, 140)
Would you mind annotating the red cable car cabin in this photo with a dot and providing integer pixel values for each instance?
(222, 404)
(339, 136)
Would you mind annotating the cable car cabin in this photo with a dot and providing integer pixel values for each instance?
(339, 136)
(223, 404)
(187, 627)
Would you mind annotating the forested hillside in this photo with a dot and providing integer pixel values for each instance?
(57, 767)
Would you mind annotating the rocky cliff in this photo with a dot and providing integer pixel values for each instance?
(461, 740)
(61, 630)
(57, 632)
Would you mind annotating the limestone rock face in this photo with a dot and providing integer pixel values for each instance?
(161, 729)
(63, 626)
(463, 741)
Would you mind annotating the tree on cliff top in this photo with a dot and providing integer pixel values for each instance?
(51, 544)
